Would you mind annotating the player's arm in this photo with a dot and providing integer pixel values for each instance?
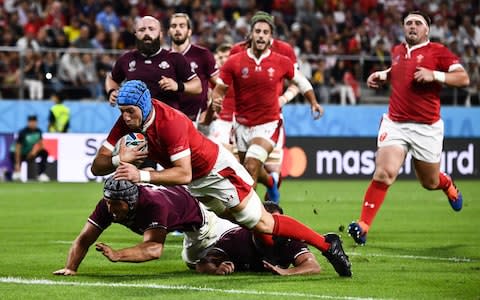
(79, 249)
(191, 87)
(218, 94)
(104, 163)
(151, 248)
(18, 156)
(111, 88)
(455, 78)
(305, 263)
(378, 78)
(179, 173)
(306, 89)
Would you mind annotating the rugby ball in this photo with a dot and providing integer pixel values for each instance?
(131, 140)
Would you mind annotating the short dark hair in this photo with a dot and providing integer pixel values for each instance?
(272, 207)
(224, 47)
(417, 12)
(32, 118)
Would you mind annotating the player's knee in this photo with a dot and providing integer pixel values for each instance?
(251, 214)
(385, 176)
(257, 152)
(429, 183)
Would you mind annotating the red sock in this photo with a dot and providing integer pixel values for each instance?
(290, 228)
(269, 181)
(372, 201)
(444, 181)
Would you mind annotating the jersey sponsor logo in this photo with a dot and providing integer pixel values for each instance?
(132, 66)
(245, 72)
(258, 68)
(164, 65)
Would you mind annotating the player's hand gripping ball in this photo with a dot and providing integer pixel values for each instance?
(132, 140)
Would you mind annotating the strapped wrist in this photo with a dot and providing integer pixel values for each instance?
(116, 160)
(439, 76)
(144, 176)
(181, 87)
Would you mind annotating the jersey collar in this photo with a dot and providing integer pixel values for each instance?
(258, 60)
(409, 50)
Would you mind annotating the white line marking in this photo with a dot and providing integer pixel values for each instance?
(414, 257)
(17, 280)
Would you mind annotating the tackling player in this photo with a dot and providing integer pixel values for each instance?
(151, 211)
(238, 249)
(212, 173)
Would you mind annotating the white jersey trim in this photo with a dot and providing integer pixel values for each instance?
(181, 154)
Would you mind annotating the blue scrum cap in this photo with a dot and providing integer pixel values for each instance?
(135, 92)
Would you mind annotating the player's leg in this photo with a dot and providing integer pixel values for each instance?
(389, 159)
(251, 214)
(427, 150)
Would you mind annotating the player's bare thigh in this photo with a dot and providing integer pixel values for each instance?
(388, 161)
(427, 173)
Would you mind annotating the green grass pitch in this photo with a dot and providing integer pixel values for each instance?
(418, 248)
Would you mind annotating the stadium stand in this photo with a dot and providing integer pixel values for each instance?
(360, 33)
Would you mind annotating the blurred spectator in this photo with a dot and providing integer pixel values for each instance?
(320, 82)
(99, 41)
(49, 73)
(32, 71)
(70, 73)
(54, 14)
(83, 40)
(59, 115)
(28, 41)
(338, 78)
(72, 30)
(109, 21)
(89, 76)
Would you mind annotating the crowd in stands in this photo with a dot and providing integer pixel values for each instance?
(49, 44)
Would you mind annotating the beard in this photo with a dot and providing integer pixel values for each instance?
(148, 48)
(179, 41)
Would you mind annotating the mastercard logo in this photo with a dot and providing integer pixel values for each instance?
(294, 162)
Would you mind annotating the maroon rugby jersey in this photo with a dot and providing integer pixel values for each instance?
(247, 253)
(134, 65)
(202, 63)
(171, 208)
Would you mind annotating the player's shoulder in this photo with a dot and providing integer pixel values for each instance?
(199, 48)
(282, 47)
(238, 47)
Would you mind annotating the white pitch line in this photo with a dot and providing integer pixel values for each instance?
(17, 280)
(414, 257)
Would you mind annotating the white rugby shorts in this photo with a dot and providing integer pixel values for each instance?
(269, 131)
(424, 141)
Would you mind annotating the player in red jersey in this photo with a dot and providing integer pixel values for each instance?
(257, 75)
(413, 123)
(167, 75)
(201, 62)
(212, 173)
